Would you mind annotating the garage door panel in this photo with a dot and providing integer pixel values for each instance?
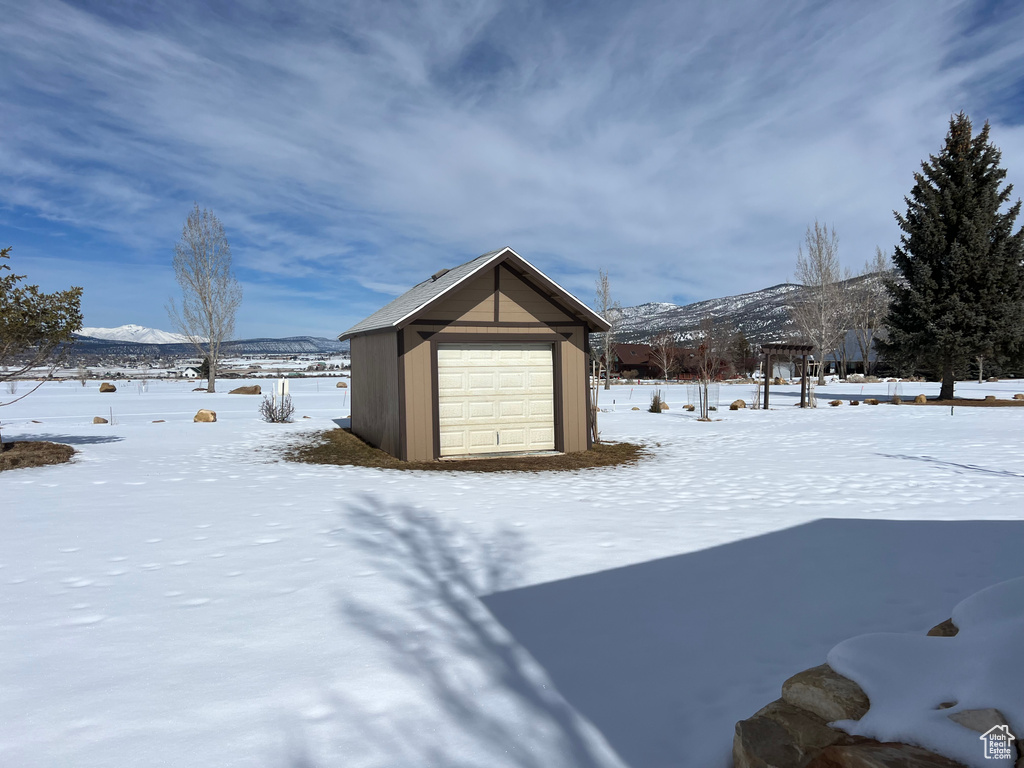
(452, 381)
(495, 397)
(483, 410)
(541, 408)
(452, 411)
(485, 438)
(512, 408)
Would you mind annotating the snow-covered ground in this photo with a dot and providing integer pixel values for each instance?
(176, 597)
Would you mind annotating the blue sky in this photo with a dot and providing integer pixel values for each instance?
(352, 149)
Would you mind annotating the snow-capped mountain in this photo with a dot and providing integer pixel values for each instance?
(137, 333)
(763, 316)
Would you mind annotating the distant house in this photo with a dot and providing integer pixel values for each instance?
(488, 357)
(848, 357)
(634, 357)
(191, 372)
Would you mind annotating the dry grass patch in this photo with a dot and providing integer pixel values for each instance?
(33, 453)
(986, 403)
(341, 447)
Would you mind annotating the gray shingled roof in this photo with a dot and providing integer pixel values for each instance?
(419, 296)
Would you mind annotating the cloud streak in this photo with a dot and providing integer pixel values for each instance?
(684, 147)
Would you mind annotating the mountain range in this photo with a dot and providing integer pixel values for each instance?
(136, 333)
(764, 316)
(139, 341)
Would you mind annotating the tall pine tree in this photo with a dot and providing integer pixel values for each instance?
(958, 288)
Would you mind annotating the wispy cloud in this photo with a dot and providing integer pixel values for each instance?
(683, 146)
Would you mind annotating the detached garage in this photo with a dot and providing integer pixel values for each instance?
(485, 358)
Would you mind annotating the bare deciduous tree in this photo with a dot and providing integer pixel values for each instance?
(712, 351)
(664, 353)
(210, 295)
(611, 311)
(869, 304)
(821, 314)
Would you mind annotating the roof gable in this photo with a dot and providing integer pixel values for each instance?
(418, 299)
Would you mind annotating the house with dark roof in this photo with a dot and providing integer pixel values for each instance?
(487, 357)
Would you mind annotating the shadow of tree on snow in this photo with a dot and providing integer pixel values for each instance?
(450, 643)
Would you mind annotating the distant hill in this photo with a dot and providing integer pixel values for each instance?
(763, 316)
(294, 345)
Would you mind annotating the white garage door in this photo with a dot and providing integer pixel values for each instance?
(495, 398)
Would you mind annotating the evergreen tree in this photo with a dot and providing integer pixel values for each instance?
(35, 328)
(958, 287)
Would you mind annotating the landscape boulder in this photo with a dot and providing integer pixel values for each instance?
(106, 386)
(990, 398)
(855, 402)
(251, 390)
(341, 385)
(920, 400)
(979, 720)
(874, 754)
(826, 693)
(944, 629)
(205, 415)
(834, 403)
(99, 420)
(737, 404)
(781, 735)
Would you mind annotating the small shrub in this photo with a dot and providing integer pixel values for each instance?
(664, 406)
(855, 402)
(636, 408)
(691, 407)
(896, 399)
(834, 403)
(277, 411)
(921, 400)
(871, 401)
(656, 402)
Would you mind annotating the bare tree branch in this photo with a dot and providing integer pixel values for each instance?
(611, 311)
(869, 303)
(210, 294)
(664, 353)
(822, 315)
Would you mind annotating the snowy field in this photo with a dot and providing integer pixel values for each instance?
(176, 597)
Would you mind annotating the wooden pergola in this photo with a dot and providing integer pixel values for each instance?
(789, 350)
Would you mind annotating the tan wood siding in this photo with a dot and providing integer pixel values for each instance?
(419, 396)
(375, 403)
(520, 303)
(574, 392)
(473, 301)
